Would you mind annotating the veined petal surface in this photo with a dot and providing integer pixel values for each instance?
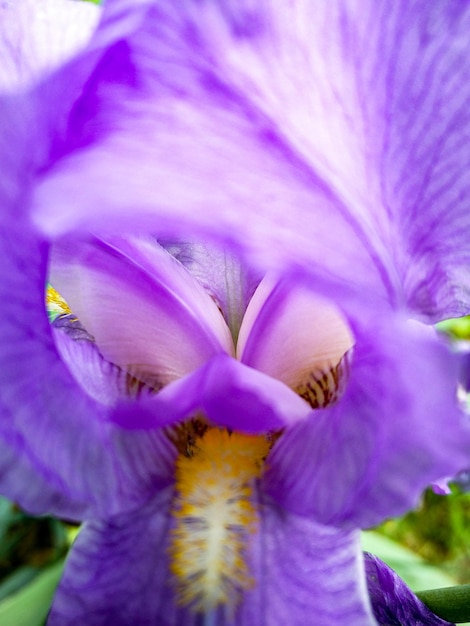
(302, 571)
(338, 129)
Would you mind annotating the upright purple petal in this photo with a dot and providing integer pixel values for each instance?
(200, 110)
(339, 130)
(225, 276)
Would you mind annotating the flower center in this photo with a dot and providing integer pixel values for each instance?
(215, 518)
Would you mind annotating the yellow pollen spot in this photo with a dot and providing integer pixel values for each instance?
(214, 518)
(55, 304)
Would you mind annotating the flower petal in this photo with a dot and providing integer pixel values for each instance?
(118, 573)
(221, 153)
(345, 151)
(62, 454)
(393, 602)
(291, 333)
(227, 392)
(229, 280)
(146, 312)
(396, 429)
(103, 381)
(306, 574)
(35, 37)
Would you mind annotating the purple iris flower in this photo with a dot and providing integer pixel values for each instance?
(226, 415)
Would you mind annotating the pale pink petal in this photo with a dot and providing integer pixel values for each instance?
(292, 333)
(146, 312)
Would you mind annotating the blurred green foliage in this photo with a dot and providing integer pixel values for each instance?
(30, 605)
(458, 328)
(27, 541)
(32, 552)
(438, 530)
(415, 571)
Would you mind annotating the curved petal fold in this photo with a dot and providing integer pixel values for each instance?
(101, 380)
(396, 429)
(227, 392)
(62, 453)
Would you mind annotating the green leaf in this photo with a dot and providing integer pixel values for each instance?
(17, 579)
(29, 607)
